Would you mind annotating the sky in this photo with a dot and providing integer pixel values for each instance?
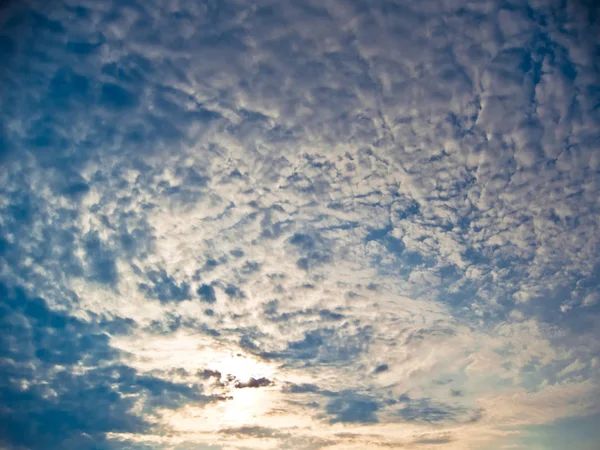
(332, 224)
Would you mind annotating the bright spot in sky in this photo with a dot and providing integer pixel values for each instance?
(242, 367)
(244, 407)
(184, 351)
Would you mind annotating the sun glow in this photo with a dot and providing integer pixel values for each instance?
(242, 367)
(193, 353)
(227, 369)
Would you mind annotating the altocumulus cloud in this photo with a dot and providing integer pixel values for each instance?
(239, 225)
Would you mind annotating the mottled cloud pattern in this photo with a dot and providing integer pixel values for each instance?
(340, 224)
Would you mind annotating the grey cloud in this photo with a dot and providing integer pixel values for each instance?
(342, 406)
(330, 315)
(271, 310)
(423, 334)
(210, 264)
(314, 249)
(165, 288)
(206, 374)
(392, 244)
(428, 411)
(253, 383)
(207, 293)
(381, 368)
(286, 439)
(233, 291)
(328, 346)
(270, 307)
(101, 261)
(116, 325)
(250, 267)
(273, 228)
(351, 408)
(302, 388)
(434, 441)
(256, 432)
(170, 323)
(237, 253)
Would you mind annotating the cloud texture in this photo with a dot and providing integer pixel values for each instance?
(299, 224)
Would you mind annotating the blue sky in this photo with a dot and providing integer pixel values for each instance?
(299, 225)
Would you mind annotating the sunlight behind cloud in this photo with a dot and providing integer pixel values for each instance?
(192, 352)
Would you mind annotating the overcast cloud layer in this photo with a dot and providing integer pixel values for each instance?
(333, 224)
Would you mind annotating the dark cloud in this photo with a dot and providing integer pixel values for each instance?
(101, 260)
(256, 432)
(302, 388)
(116, 325)
(345, 406)
(434, 441)
(250, 267)
(330, 315)
(272, 228)
(423, 334)
(210, 264)
(233, 291)
(286, 439)
(309, 347)
(329, 345)
(429, 411)
(348, 407)
(270, 307)
(381, 368)
(253, 383)
(392, 244)
(237, 253)
(206, 374)
(167, 394)
(165, 288)
(315, 250)
(170, 323)
(207, 293)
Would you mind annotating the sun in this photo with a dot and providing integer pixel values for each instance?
(242, 367)
(246, 405)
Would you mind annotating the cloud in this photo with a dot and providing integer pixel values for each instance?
(328, 345)
(388, 210)
(427, 411)
(253, 383)
(350, 408)
(207, 293)
(207, 374)
(63, 383)
(434, 441)
(314, 250)
(259, 432)
(165, 288)
(381, 368)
